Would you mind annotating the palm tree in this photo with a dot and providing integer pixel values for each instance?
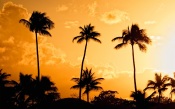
(133, 36)
(141, 98)
(172, 84)
(89, 82)
(160, 84)
(7, 90)
(24, 90)
(87, 32)
(38, 23)
(45, 91)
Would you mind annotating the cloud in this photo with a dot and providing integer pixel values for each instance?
(114, 16)
(48, 54)
(149, 22)
(70, 24)
(18, 47)
(92, 8)
(61, 8)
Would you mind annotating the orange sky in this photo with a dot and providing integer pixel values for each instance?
(60, 58)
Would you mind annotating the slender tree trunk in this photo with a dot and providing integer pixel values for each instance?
(82, 68)
(88, 97)
(37, 54)
(159, 97)
(135, 85)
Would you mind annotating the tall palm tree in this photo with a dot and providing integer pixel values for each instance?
(38, 23)
(160, 84)
(87, 32)
(133, 36)
(89, 82)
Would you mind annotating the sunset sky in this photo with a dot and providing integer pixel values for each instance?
(60, 58)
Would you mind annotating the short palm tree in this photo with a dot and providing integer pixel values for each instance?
(89, 82)
(87, 32)
(24, 90)
(172, 84)
(133, 36)
(38, 23)
(7, 90)
(140, 96)
(160, 84)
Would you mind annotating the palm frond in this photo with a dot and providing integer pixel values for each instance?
(75, 87)
(25, 22)
(75, 38)
(149, 88)
(75, 80)
(80, 40)
(95, 39)
(150, 96)
(120, 45)
(117, 38)
(142, 47)
(44, 32)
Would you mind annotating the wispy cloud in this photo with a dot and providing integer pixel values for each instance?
(92, 8)
(150, 22)
(61, 8)
(114, 16)
(70, 24)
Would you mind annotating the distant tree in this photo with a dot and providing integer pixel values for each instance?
(133, 36)
(141, 98)
(87, 32)
(38, 23)
(172, 84)
(160, 84)
(106, 98)
(89, 82)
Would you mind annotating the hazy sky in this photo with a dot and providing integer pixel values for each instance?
(61, 58)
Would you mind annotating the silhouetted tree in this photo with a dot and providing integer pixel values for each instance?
(24, 91)
(133, 36)
(172, 84)
(89, 82)
(106, 98)
(45, 92)
(160, 84)
(7, 91)
(38, 23)
(141, 98)
(87, 32)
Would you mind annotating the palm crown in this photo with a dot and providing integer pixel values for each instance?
(87, 33)
(132, 36)
(38, 23)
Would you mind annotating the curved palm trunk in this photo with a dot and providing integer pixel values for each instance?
(135, 85)
(82, 68)
(37, 54)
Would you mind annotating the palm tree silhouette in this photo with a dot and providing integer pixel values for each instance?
(87, 32)
(45, 92)
(141, 98)
(172, 84)
(24, 91)
(89, 82)
(159, 83)
(133, 36)
(7, 90)
(38, 23)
